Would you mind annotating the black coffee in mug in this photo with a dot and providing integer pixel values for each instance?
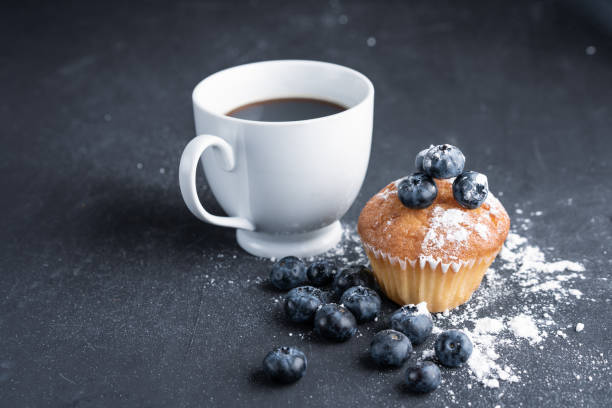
(286, 110)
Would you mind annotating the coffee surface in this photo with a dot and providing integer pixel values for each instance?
(286, 109)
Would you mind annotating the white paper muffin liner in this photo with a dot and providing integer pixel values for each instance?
(411, 281)
(423, 261)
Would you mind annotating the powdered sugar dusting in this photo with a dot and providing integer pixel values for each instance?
(450, 229)
(389, 193)
(428, 354)
(485, 363)
(494, 205)
(488, 325)
(535, 274)
(479, 179)
(523, 326)
(482, 230)
(349, 250)
(422, 309)
(446, 226)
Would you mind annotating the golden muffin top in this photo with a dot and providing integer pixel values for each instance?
(444, 231)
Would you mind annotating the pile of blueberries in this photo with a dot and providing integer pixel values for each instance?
(357, 302)
(445, 161)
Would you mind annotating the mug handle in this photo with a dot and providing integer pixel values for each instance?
(187, 179)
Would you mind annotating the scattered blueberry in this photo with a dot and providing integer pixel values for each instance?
(363, 302)
(414, 321)
(390, 348)
(443, 161)
(418, 162)
(417, 191)
(302, 302)
(321, 273)
(288, 273)
(423, 377)
(470, 189)
(285, 364)
(335, 322)
(453, 348)
(357, 275)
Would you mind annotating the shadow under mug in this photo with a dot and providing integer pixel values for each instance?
(284, 185)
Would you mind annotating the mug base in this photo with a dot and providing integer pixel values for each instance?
(279, 245)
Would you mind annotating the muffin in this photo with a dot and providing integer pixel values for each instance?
(436, 254)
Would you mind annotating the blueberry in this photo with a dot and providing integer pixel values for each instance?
(356, 275)
(423, 377)
(453, 348)
(288, 273)
(321, 272)
(417, 191)
(414, 321)
(390, 348)
(363, 302)
(285, 364)
(301, 303)
(418, 162)
(443, 161)
(335, 322)
(470, 189)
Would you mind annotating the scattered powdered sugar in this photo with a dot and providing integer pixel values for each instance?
(488, 325)
(507, 254)
(422, 309)
(484, 360)
(349, 250)
(484, 367)
(428, 354)
(524, 326)
(534, 273)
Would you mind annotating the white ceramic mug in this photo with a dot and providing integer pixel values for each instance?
(285, 185)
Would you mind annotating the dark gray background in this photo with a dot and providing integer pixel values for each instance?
(107, 295)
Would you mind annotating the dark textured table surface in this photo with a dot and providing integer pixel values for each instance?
(113, 295)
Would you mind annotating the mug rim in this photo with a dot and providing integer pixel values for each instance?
(368, 95)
